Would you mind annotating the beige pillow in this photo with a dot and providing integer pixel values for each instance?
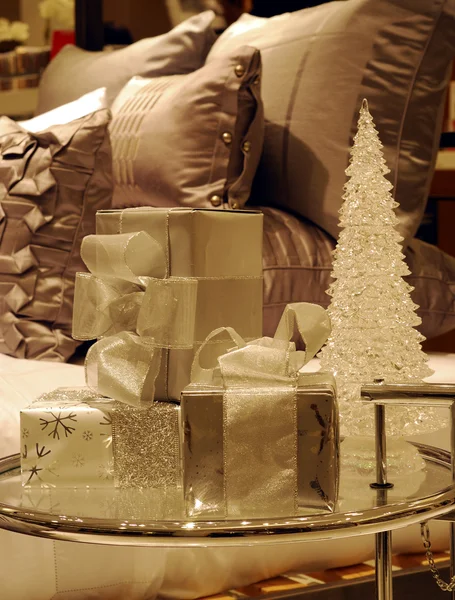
(191, 140)
(318, 65)
(74, 71)
(52, 182)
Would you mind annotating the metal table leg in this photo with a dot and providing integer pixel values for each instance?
(452, 525)
(383, 560)
(422, 394)
(452, 556)
(383, 565)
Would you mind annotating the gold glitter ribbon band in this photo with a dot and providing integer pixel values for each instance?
(260, 411)
(128, 303)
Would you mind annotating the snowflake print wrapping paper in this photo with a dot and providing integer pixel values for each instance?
(69, 438)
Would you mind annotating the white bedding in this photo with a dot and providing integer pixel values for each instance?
(20, 382)
(40, 569)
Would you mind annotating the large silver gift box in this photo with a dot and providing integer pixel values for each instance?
(71, 438)
(316, 447)
(222, 251)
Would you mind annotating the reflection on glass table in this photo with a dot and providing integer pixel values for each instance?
(153, 517)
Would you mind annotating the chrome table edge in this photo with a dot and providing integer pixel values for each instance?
(188, 533)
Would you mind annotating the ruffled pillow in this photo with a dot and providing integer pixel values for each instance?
(52, 182)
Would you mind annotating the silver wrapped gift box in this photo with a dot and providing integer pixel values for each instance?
(160, 280)
(260, 436)
(316, 439)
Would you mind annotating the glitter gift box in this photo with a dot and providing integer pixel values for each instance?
(316, 448)
(207, 274)
(70, 438)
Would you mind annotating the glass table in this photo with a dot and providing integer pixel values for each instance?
(156, 518)
(141, 517)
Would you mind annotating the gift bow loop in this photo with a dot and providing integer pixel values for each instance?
(267, 361)
(312, 323)
(128, 302)
(125, 256)
(211, 376)
(124, 367)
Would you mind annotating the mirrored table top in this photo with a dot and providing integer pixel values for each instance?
(151, 517)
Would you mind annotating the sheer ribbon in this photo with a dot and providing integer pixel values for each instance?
(135, 310)
(260, 380)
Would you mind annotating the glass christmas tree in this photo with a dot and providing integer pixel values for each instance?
(373, 316)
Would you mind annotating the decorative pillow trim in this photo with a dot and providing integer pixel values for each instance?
(237, 191)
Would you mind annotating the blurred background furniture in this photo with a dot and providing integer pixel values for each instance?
(438, 222)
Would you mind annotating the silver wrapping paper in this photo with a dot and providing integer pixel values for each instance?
(317, 448)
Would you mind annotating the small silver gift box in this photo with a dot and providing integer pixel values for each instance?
(316, 448)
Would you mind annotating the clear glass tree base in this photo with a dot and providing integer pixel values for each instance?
(358, 457)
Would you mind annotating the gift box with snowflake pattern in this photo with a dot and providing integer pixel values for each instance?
(69, 438)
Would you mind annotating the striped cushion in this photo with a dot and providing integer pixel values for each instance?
(297, 262)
